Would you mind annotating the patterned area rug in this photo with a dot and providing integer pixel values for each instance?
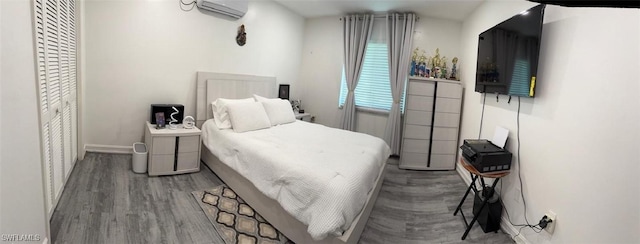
(234, 220)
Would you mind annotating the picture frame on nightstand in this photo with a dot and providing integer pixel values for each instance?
(283, 91)
(159, 120)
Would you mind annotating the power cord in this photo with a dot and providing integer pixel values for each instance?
(532, 227)
(484, 99)
(545, 220)
(192, 4)
(537, 228)
(524, 202)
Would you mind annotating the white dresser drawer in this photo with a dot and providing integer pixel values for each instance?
(161, 163)
(431, 124)
(421, 88)
(442, 161)
(420, 161)
(444, 147)
(413, 160)
(445, 133)
(189, 144)
(163, 145)
(449, 90)
(448, 105)
(446, 120)
(421, 103)
(417, 132)
(188, 160)
(415, 117)
(416, 146)
(172, 151)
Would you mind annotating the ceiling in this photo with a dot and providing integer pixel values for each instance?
(444, 9)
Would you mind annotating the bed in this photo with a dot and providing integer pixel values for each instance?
(211, 86)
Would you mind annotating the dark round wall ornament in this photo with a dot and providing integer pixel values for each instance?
(241, 38)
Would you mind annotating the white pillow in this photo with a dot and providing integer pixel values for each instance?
(247, 116)
(279, 111)
(259, 98)
(220, 115)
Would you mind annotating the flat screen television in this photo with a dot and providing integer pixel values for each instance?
(508, 55)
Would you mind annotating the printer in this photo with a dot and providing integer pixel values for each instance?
(485, 156)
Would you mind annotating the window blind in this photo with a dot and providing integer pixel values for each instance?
(374, 89)
(520, 79)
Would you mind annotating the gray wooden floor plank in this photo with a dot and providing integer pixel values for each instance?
(105, 202)
(417, 207)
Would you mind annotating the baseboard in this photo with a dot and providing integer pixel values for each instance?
(504, 224)
(108, 149)
(512, 231)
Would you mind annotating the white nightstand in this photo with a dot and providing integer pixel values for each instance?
(172, 151)
(303, 116)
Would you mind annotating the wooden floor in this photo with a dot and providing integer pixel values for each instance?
(417, 207)
(105, 202)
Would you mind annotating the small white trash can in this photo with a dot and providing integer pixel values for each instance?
(139, 158)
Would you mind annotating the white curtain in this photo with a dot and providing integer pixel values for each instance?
(356, 34)
(400, 35)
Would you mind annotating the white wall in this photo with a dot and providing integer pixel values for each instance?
(21, 194)
(433, 33)
(322, 62)
(143, 52)
(579, 134)
(1, 78)
(321, 69)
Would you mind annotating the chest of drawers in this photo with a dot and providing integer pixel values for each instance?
(431, 124)
(172, 151)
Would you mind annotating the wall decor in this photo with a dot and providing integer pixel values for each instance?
(283, 91)
(241, 38)
(414, 62)
(439, 64)
(173, 122)
(454, 69)
(188, 122)
(419, 66)
(432, 67)
(295, 105)
(160, 120)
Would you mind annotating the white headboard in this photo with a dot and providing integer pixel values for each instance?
(212, 86)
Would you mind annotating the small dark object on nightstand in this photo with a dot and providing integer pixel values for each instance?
(301, 111)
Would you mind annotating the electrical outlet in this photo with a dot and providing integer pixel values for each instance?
(551, 226)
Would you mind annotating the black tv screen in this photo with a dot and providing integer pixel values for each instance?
(508, 55)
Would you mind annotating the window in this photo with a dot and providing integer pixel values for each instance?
(520, 78)
(373, 90)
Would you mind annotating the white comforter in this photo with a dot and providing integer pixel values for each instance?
(320, 175)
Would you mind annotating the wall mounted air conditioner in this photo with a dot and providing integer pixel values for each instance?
(233, 8)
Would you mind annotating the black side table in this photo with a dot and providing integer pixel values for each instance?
(475, 174)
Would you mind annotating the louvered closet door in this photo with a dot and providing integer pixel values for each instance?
(55, 45)
(66, 27)
(44, 101)
(52, 57)
(73, 80)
